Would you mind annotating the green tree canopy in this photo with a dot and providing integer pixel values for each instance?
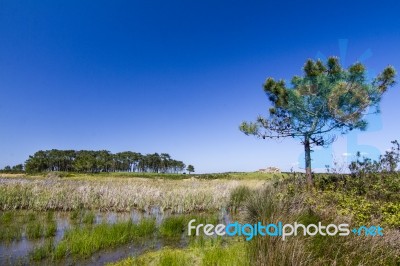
(190, 168)
(101, 161)
(328, 99)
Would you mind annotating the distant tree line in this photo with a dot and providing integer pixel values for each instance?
(19, 168)
(88, 161)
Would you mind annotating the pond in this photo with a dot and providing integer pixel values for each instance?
(25, 235)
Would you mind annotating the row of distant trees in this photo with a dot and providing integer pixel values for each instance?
(19, 168)
(88, 161)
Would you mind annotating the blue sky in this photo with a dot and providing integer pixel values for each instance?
(178, 76)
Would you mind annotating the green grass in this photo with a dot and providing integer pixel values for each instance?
(39, 226)
(13, 224)
(168, 176)
(81, 176)
(6, 217)
(9, 229)
(170, 257)
(290, 201)
(42, 252)
(50, 229)
(31, 216)
(234, 254)
(83, 242)
(243, 176)
(11, 232)
(89, 218)
(74, 215)
(60, 251)
(204, 218)
(117, 194)
(374, 199)
(164, 257)
(49, 216)
(351, 250)
(173, 226)
(34, 230)
(238, 196)
(212, 252)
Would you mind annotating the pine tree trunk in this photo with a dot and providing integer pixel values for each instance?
(307, 150)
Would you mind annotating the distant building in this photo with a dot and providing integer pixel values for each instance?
(270, 170)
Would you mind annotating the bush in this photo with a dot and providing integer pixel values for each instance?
(173, 226)
(238, 196)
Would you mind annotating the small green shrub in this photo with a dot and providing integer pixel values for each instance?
(34, 230)
(10, 232)
(50, 229)
(6, 218)
(173, 226)
(89, 218)
(74, 215)
(42, 252)
(238, 197)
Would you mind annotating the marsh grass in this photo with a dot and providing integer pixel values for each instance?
(6, 217)
(254, 176)
(207, 252)
(234, 254)
(31, 216)
(353, 250)
(118, 194)
(9, 230)
(83, 242)
(81, 216)
(40, 225)
(34, 230)
(267, 206)
(163, 257)
(286, 201)
(171, 257)
(42, 252)
(15, 224)
(50, 216)
(60, 251)
(173, 227)
(89, 218)
(50, 229)
(281, 203)
(166, 176)
(74, 215)
(238, 196)
(204, 218)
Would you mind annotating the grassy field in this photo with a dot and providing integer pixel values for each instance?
(118, 194)
(169, 176)
(357, 200)
(367, 199)
(204, 252)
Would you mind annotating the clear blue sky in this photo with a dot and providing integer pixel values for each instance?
(178, 76)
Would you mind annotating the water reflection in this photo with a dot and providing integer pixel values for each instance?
(17, 252)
